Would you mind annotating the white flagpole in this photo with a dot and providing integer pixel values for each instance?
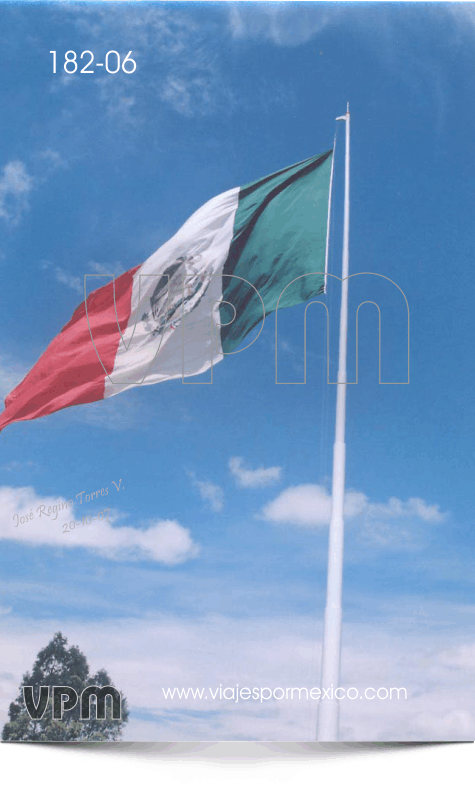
(328, 710)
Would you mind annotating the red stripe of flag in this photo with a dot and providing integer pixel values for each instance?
(69, 372)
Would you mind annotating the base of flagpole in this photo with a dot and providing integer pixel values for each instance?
(328, 721)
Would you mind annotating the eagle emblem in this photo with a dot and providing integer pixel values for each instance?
(179, 290)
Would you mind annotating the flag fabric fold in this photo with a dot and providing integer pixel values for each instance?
(192, 301)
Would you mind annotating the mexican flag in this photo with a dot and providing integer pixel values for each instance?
(195, 299)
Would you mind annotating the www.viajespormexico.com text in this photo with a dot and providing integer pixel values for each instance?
(236, 693)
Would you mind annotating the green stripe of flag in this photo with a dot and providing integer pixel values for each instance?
(279, 234)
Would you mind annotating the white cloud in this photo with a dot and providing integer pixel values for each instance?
(163, 541)
(253, 478)
(383, 524)
(15, 188)
(309, 506)
(300, 505)
(210, 493)
(453, 725)
(257, 652)
(167, 542)
(462, 656)
(16, 183)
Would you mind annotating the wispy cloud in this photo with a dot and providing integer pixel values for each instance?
(171, 42)
(162, 541)
(15, 187)
(284, 24)
(118, 99)
(113, 413)
(211, 494)
(186, 93)
(64, 277)
(52, 159)
(16, 465)
(395, 508)
(294, 24)
(76, 282)
(463, 14)
(104, 269)
(17, 183)
(253, 478)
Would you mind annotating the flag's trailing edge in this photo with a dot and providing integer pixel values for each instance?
(195, 299)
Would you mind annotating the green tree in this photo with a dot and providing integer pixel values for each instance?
(58, 665)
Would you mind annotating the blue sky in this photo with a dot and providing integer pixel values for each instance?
(222, 561)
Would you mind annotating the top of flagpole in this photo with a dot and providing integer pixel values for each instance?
(347, 115)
